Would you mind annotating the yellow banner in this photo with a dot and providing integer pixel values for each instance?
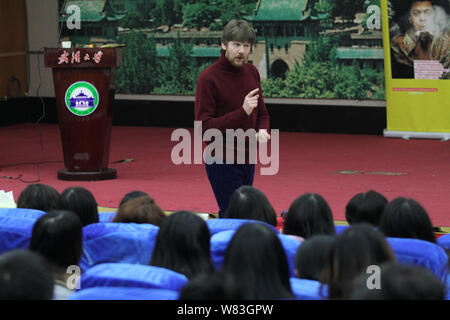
(416, 50)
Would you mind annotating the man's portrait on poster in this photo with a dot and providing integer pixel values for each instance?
(419, 33)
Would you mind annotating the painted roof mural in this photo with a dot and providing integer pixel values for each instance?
(167, 43)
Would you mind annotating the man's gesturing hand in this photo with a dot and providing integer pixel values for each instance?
(262, 136)
(251, 101)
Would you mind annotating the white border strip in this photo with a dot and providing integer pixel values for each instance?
(284, 101)
(444, 136)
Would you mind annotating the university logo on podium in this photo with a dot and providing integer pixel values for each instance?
(81, 98)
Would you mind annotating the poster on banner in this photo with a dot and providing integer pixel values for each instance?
(416, 39)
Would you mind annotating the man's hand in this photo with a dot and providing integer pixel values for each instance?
(251, 101)
(262, 136)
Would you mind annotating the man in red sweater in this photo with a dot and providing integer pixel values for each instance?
(229, 96)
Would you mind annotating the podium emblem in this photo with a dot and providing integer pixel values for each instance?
(82, 98)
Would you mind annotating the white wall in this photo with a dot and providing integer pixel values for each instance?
(42, 20)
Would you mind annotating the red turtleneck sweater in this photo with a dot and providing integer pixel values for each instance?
(221, 90)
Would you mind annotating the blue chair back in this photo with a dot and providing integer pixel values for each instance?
(15, 233)
(340, 228)
(219, 225)
(132, 275)
(305, 289)
(420, 253)
(220, 241)
(119, 293)
(117, 242)
(21, 213)
(290, 246)
(444, 241)
(106, 216)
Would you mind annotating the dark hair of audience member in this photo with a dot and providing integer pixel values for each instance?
(24, 276)
(131, 195)
(57, 236)
(80, 201)
(353, 251)
(248, 202)
(312, 257)
(406, 218)
(183, 245)
(309, 215)
(142, 209)
(365, 207)
(39, 197)
(258, 263)
(211, 286)
(398, 282)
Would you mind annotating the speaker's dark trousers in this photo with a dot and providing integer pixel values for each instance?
(226, 178)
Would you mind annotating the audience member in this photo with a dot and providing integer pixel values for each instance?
(365, 207)
(247, 202)
(211, 286)
(309, 215)
(57, 236)
(38, 196)
(131, 195)
(311, 257)
(406, 218)
(80, 201)
(398, 282)
(24, 276)
(258, 263)
(142, 209)
(183, 245)
(353, 251)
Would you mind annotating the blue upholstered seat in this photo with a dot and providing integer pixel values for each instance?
(290, 246)
(340, 228)
(219, 225)
(119, 293)
(117, 242)
(305, 289)
(132, 275)
(422, 253)
(219, 244)
(106, 216)
(21, 213)
(444, 241)
(15, 232)
(220, 241)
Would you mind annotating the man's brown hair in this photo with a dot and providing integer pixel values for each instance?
(238, 30)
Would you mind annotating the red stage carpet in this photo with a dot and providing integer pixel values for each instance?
(336, 166)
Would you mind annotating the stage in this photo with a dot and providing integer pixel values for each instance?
(337, 166)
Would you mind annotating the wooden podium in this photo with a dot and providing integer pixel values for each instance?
(84, 80)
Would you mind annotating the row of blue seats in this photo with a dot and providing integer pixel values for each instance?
(132, 281)
(124, 293)
(122, 281)
(215, 225)
(133, 243)
(35, 214)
